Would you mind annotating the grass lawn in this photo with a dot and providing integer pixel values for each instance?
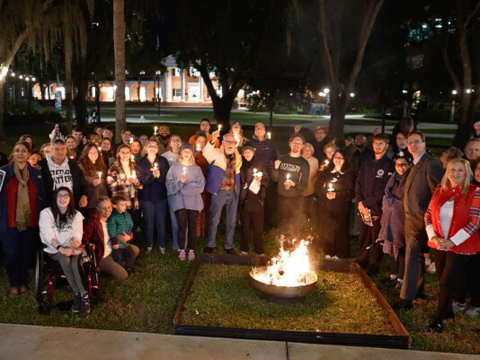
(340, 303)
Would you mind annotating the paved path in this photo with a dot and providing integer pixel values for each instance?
(18, 342)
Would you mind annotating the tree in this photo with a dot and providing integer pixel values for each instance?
(226, 38)
(119, 49)
(344, 58)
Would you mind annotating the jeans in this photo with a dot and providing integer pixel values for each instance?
(174, 222)
(186, 219)
(414, 278)
(71, 270)
(370, 252)
(109, 266)
(125, 254)
(252, 221)
(155, 216)
(19, 248)
(227, 198)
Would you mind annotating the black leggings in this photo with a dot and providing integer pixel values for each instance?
(186, 218)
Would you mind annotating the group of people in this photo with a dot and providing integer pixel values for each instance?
(79, 189)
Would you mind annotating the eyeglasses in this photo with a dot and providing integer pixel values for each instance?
(416, 142)
(229, 142)
(63, 196)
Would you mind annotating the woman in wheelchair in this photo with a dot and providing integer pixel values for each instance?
(95, 231)
(61, 230)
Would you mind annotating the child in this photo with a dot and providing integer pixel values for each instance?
(120, 226)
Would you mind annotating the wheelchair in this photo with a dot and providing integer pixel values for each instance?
(48, 273)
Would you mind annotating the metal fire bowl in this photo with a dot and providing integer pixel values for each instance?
(283, 294)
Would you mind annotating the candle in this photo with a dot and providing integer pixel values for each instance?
(132, 158)
(134, 174)
(198, 147)
(155, 166)
(155, 130)
(131, 140)
(330, 188)
(254, 172)
(99, 175)
(288, 177)
(100, 148)
(219, 127)
(326, 162)
(71, 157)
(184, 171)
(269, 135)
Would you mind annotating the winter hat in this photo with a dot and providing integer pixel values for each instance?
(248, 147)
(187, 146)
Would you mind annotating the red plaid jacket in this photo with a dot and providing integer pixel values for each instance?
(118, 184)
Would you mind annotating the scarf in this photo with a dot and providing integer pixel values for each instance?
(22, 213)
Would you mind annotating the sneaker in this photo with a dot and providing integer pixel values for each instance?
(208, 250)
(162, 250)
(335, 258)
(191, 255)
(230, 251)
(243, 253)
(428, 262)
(393, 277)
(473, 312)
(327, 257)
(181, 255)
(458, 306)
(149, 249)
(399, 284)
(436, 326)
(431, 269)
(85, 307)
(77, 304)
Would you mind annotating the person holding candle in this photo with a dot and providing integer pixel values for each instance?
(94, 169)
(292, 172)
(58, 170)
(122, 179)
(255, 181)
(452, 222)
(237, 131)
(72, 152)
(185, 182)
(223, 182)
(152, 172)
(175, 143)
(369, 189)
(108, 154)
(266, 152)
(336, 186)
(22, 199)
(204, 216)
(136, 148)
(205, 127)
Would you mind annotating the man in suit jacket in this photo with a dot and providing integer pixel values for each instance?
(424, 177)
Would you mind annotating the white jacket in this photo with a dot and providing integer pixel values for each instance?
(49, 230)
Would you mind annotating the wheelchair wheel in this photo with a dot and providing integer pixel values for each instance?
(39, 275)
(43, 309)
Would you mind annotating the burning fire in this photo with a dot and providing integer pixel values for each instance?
(288, 268)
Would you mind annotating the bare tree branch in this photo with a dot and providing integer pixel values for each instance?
(448, 65)
(474, 11)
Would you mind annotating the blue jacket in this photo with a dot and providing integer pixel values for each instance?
(265, 151)
(37, 180)
(153, 189)
(218, 163)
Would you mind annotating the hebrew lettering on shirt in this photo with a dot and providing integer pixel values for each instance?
(289, 167)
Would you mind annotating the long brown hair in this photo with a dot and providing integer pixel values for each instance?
(90, 168)
(63, 219)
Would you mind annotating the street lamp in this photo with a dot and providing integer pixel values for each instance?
(454, 92)
(326, 90)
(404, 91)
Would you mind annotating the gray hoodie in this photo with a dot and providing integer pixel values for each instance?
(61, 174)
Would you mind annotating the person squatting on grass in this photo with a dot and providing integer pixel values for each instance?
(120, 231)
(185, 183)
(61, 230)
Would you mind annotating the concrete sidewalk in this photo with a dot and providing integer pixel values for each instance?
(52, 343)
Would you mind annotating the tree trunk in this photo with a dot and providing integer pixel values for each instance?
(222, 108)
(68, 77)
(80, 102)
(465, 121)
(338, 109)
(119, 50)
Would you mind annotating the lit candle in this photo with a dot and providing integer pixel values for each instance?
(254, 172)
(155, 166)
(219, 127)
(131, 140)
(100, 148)
(326, 162)
(134, 174)
(198, 147)
(184, 171)
(330, 188)
(99, 175)
(269, 135)
(288, 177)
(71, 157)
(132, 158)
(155, 129)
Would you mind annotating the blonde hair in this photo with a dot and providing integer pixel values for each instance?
(468, 174)
(192, 158)
(144, 150)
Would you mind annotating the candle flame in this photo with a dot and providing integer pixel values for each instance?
(269, 135)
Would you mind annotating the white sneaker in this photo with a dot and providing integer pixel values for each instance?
(428, 262)
(458, 306)
(473, 312)
(162, 250)
(431, 269)
(327, 257)
(243, 253)
(149, 249)
(335, 258)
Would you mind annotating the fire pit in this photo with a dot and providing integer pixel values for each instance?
(288, 278)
